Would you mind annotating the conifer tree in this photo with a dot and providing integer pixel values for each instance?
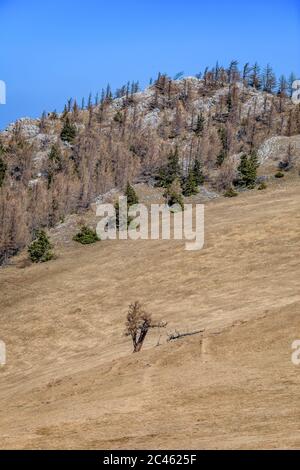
(43, 122)
(254, 79)
(200, 124)
(131, 195)
(40, 249)
(248, 170)
(75, 110)
(3, 168)
(224, 150)
(190, 185)
(90, 101)
(233, 72)
(246, 74)
(86, 236)
(198, 173)
(68, 132)
(55, 155)
(54, 163)
(171, 171)
(283, 86)
(132, 199)
(269, 79)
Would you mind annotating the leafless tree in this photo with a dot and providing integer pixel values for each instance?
(138, 323)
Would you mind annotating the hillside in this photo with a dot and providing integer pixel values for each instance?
(61, 163)
(71, 380)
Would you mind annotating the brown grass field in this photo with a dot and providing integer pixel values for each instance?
(71, 380)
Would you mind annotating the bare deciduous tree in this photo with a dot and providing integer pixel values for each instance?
(138, 323)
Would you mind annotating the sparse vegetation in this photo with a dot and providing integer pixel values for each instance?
(279, 174)
(161, 135)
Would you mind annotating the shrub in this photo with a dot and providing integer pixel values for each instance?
(230, 192)
(262, 186)
(86, 236)
(279, 174)
(40, 249)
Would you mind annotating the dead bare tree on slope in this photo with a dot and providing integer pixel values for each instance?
(138, 323)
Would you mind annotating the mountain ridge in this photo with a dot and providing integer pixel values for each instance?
(94, 150)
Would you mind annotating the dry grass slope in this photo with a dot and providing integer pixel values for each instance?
(71, 380)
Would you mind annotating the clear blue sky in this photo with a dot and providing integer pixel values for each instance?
(53, 50)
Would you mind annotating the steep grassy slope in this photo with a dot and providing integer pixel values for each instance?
(71, 380)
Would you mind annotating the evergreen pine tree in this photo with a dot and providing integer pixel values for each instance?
(40, 249)
(3, 168)
(54, 163)
(200, 124)
(171, 171)
(255, 78)
(190, 185)
(131, 195)
(198, 173)
(269, 79)
(248, 170)
(68, 132)
(55, 155)
(132, 199)
(224, 141)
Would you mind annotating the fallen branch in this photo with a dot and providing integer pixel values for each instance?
(178, 335)
(161, 324)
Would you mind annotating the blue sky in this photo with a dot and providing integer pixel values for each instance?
(53, 50)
